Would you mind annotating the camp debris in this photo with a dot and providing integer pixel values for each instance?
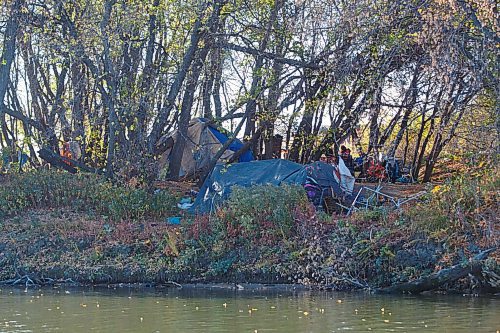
(369, 198)
(71, 150)
(204, 139)
(175, 220)
(185, 203)
(318, 179)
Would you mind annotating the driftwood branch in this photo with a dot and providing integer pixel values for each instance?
(435, 280)
(25, 279)
(178, 285)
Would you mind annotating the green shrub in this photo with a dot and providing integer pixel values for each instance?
(464, 199)
(51, 189)
(260, 214)
(265, 206)
(376, 214)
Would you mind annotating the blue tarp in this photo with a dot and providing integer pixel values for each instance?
(218, 184)
(235, 145)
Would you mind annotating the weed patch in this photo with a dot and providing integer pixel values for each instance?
(81, 192)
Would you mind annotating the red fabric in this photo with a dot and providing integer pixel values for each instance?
(66, 152)
(376, 170)
(337, 171)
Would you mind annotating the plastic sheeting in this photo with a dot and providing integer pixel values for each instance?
(218, 184)
(346, 179)
(234, 146)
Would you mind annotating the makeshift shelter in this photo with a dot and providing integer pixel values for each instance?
(318, 180)
(203, 141)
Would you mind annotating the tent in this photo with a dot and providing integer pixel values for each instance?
(318, 179)
(203, 141)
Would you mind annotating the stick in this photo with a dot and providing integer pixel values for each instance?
(354, 202)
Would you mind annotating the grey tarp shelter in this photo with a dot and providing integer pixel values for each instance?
(218, 184)
(203, 141)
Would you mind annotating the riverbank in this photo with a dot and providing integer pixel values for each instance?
(263, 235)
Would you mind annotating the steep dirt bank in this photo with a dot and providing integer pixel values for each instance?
(54, 246)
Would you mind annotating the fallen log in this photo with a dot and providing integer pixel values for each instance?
(435, 280)
(65, 163)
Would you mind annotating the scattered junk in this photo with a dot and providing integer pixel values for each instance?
(185, 203)
(389, 169)
(371, 198)
(175, 220)
(329, 186)
(203, 141)
(343, 176)
(71, 150)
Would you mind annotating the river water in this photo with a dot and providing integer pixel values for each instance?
(210, 310)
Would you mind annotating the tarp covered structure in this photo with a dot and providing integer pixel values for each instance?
(203, 141)
(315, 177)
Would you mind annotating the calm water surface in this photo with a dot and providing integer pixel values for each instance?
(195, 310)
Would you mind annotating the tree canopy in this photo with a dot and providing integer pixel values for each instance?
(404, 77)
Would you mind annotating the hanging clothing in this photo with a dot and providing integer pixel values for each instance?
(343, 176)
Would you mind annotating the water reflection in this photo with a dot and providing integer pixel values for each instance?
(199, 310)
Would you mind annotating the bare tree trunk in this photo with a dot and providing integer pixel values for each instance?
(27, 129)
(79, 83)
(9, 47)
(5, 130)
(456, 106)
(301, 138)
(146, 82)
(57, 107)
(208, 83)
(251, 106)
(273, 98)
(111, 94)
(413, 92)
(357, 142)
(187, 101)
(185, 116)
(341, 128)
(6, 60)
(373, 140)
(217, 83)
(161, 118)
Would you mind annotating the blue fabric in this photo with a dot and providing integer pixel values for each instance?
(22, 158)
(235, 145)
(217, 186)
